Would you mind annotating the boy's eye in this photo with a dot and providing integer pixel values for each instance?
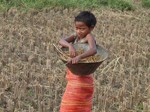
(80, 28)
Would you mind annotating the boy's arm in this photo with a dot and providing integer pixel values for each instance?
(92, 50)
(92, 47)
(65, 42)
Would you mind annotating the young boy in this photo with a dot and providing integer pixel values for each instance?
(79, 90)
(84, 24)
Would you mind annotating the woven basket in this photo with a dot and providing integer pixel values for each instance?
(83, 68)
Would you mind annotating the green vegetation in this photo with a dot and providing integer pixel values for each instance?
(121, 4)
(40, 4)
(146, 3)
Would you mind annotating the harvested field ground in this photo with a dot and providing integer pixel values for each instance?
(32, 78)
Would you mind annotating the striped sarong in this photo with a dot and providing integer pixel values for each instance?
(78, 94)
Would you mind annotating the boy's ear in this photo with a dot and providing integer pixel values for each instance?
(91, 28)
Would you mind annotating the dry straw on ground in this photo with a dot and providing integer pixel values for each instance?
(32, 78)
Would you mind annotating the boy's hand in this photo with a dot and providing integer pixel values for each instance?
(72, 51)
(75, 59)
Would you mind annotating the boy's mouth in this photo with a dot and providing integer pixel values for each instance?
(79, 35)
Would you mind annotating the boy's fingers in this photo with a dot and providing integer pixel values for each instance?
(73, 54)
(69, 61)
(72, 61)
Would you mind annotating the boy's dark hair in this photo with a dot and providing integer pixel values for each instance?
(87, 17)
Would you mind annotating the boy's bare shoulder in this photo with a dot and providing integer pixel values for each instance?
(90, 36)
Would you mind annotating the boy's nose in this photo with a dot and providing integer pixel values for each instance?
(78, 31)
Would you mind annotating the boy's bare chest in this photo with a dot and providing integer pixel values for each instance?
(83, 40)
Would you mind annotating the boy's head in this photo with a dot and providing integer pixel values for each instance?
(86, 17)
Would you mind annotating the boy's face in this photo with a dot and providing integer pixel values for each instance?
(82, 29)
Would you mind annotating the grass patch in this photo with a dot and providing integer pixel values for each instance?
(40, 4)
(146, 3)
(121, 4)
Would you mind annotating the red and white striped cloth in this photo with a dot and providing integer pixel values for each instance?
(78, 94)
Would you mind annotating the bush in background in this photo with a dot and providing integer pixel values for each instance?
(39, 4)
(121, 4)
(146, 3)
